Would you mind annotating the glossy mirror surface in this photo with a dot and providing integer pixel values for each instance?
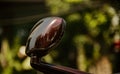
(44, 35)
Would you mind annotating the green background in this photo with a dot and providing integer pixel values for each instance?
(89, 43)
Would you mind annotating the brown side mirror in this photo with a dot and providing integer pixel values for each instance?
(45, 35)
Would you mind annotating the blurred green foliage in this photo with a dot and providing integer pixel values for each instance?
(88, 44)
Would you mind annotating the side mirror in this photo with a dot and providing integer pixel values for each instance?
(45, 35)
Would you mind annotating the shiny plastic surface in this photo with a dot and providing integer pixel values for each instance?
(45, 35)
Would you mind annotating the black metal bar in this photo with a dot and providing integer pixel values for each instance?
(46, 68)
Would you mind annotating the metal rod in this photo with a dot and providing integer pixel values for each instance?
(46, 68)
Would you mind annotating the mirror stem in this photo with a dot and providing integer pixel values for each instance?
(46, 68)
